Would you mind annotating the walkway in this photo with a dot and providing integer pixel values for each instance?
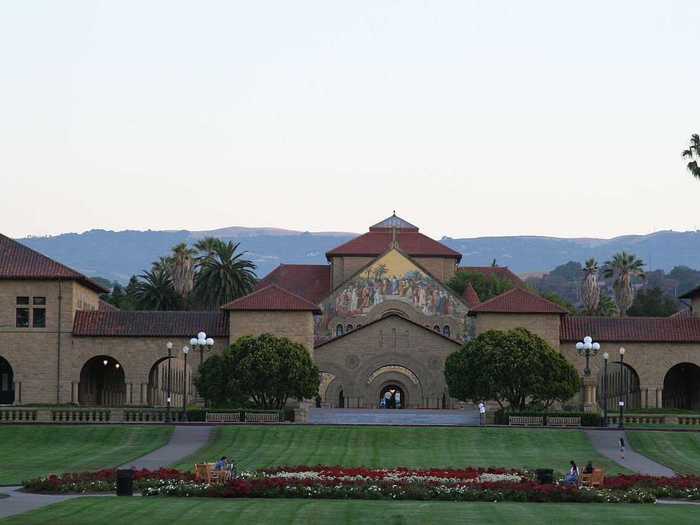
(184, 441)
(403, 417)
(606, 442)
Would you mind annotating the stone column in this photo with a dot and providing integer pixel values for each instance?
(589, 394)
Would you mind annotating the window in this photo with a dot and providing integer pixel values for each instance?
(339, 330)
(446, 331)
(22, 318)
(39, 318)
(436, 328)
(23, 300)
(348, 328)
(39, 301)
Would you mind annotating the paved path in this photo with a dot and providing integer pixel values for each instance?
(606, 442)
(404, 417)
(183, 442)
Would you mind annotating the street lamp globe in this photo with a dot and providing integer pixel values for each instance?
(185, 350)
(202, 335)
(579, 346)
(210, 341)
(605, 356)
(622, 350)
(169, 345)
(193, 341)
(588, 340)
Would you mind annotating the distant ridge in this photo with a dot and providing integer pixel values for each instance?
(118, 255)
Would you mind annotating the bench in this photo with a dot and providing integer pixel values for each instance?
(595, 479)
(206, 472)
(262, 417)
(554, 421)
(526, 421)
(223, 417)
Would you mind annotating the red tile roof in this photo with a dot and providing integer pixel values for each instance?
(470, 296)
(272, 298)
(502, 272)
(632, 329)
(18, 262)
(123, 323)
(410, 242)
(518, 301)
(310, 281)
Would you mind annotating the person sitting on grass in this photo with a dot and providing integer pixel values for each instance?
(572, 477)
(589, 468)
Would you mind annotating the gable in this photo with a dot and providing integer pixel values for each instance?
(392, 280)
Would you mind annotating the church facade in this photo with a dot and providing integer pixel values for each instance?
(379, 320)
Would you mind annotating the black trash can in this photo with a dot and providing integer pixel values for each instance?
(125, 482)
(545, 476)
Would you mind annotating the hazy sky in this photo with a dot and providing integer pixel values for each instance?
(468, 118)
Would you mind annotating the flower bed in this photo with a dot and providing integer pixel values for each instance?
(471, 484)
(104, 480)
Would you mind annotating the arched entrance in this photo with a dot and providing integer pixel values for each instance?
(622, 385)
(102, 382)
(392, 396)
(682, 387)
(7, 383)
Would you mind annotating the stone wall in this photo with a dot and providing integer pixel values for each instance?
(545, 325)
(297, 326)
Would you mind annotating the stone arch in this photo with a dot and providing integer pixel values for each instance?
(623, 384)
(393, 307)
(7, 382)
(102, 382)
(682, 387)
(180, 382)
(397, 376)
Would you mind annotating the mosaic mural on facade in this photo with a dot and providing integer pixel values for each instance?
(393, 277)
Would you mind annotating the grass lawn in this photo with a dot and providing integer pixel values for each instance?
(679, 451)
(34, 450)
(264, 446)
(153, 511)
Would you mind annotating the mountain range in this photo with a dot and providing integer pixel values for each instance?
(117, 255)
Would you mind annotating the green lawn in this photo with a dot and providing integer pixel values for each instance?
(679, 451)
(29, 451)
(265, 446)
(153, 511)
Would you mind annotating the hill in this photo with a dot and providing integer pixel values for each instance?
(118, 255)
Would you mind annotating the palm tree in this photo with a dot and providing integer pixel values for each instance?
(693, 152)
(590, 291)
(182, 270)
(155, 290)
(622, 268)
(223, 275)
(206, 246)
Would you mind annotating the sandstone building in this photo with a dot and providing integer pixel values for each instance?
(378, 319)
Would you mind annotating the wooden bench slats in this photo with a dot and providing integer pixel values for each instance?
(525, 421)
(555, 421)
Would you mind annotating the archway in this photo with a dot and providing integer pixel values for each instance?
(622, 385)
(102, 382)
(682, 387)
(180, 383)
(7, 383)
(392, 396)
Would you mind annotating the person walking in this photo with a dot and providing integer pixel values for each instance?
(482, 413)
(622, 447)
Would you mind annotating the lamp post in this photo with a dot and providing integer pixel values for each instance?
(185, 351)
(587, 348)
(201, 343)
(170, 356)
(621, 402)
(605, 389)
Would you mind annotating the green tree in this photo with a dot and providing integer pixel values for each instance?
(652, 302)
(606, 307)
(558, 299)
(182, 270)
(693, 154)
(486, 286)
(266, 369)
(155, 290)
(590, 289)
(223, 275)
(622, 269)
(514, 368)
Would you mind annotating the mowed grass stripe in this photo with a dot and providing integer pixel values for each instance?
(680, 451)
(30, 451)
(268, 446)
(173, 511)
